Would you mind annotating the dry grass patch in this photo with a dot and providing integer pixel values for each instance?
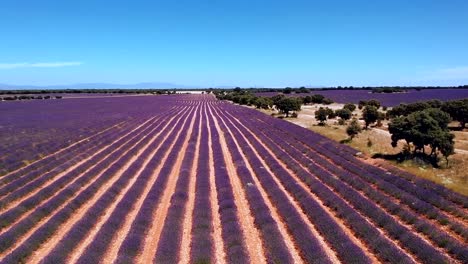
(377, 141)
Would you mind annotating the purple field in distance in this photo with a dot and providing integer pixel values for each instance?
(392, 99)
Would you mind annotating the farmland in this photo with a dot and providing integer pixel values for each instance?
(190, 179)
(387, 99)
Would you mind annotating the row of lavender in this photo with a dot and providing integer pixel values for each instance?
(57, 202)
(33, 129)
(72, 198)
(353, 188)
(386, 99)
(98, 247)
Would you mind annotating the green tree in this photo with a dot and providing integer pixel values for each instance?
(353, 129)
(373, 102)
(370, 115)
(287, 90)
(362, 104)
(317, 98)
(307, 99)
(424, 128)
(277, 98)
(263, 103)
(344, 114)
(458, 110)
(327, 101)
(330, 113)
(350, 107)
(321, 115)
(286, 105)
(302, 89)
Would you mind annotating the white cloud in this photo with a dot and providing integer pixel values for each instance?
(39, 64)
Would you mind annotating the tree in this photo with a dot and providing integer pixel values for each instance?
(302, 89)
(353, 129)
(286, 105)
(361, 104)
(327, 101)
(350, 107)
(373, 102)
(263, 103)
(330, 113)
(458, 110)
(307, 99)
(277, 98)
(344, 114)
(446, 146)
(317, 98)
(287, 90)
(370, 115)
(321, 115)
(424, 128)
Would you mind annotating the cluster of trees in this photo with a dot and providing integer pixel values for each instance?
(289, 90)
(29, 97)
(388, 90)
(289, 106)
(346, 113)
(316, 99)
(421, 125)
(324, 113)
(424, 128)
(458, 109)
(372, 102)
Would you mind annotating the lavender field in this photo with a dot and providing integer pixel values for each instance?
(386, 99)
(191, 179)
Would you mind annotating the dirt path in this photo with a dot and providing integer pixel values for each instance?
(58, 152)
(152, 237)
(218, 243)
(252, 236)
(59, 175)
(187, 224)
(45, 249)
(274, 212)
(461, 151)
(325, 245)
(119, 238)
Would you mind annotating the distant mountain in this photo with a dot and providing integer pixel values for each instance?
(146, 85)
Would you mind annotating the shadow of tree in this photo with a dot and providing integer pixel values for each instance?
(418, 158)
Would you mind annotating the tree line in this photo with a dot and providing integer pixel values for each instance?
(421, 125)
(288, 106)
(29, 97)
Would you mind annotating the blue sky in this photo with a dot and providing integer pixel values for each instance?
(240, 43)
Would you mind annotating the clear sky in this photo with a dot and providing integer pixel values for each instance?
(264, 43)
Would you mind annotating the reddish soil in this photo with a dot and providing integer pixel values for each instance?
(220, 255)
(187, 225)
(252, 237)
(121, 234)
(152, 238)
(274, 213)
